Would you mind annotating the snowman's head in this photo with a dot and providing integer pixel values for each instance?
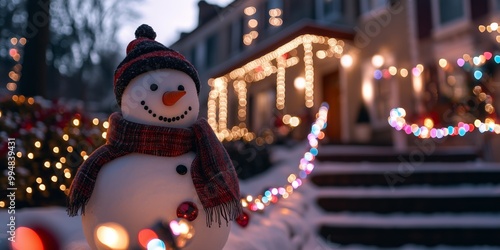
(150, 78)
(163, 97)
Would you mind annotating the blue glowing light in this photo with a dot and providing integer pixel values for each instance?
(461, 131)
(314, 151)
(267, 193)
(478, 74)
(156, 244)
(497, 58)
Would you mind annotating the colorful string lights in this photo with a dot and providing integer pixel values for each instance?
(306, 166)
(398, 122)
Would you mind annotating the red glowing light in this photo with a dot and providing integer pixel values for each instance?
(27, 238)
(145, 236)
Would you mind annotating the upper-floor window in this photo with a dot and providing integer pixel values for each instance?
(192, 56)
(450, 10)
(332, 9)
(372, 5)
(211, 51)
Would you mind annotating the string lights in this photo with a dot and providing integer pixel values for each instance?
(294, 180)
(472, 64)
(427, 130)
(53, 138)
(274, 62)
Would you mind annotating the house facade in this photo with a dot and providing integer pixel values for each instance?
(267, 66)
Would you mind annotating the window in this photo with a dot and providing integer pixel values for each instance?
(274, 14)
(211, 51)
(371, 5)
(450, 10)
(192, 56)
(332, 8)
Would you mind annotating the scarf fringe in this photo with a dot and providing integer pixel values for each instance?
(228, 211)
(79, 201)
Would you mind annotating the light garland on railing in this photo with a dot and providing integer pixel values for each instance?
(398, 122)
(306, 166)
(492, 27)
(393, 71)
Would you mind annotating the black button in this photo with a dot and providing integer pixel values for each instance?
(181, 169)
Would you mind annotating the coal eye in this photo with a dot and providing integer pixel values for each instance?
(181, 87)
(153, 87)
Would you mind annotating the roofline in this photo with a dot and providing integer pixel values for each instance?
(306, 26)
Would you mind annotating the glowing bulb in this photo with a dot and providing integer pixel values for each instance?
(299, 83)
(156, 244)
(494, 26)
(377, 61)
(443, 63)
(346, 61)
(27, 238)
(294, 121)
(145, 236)
(112, 235)
(403, 72)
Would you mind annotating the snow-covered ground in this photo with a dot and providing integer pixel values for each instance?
(280, 226)
(289, 224)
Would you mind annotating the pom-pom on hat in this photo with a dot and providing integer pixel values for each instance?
(145, 54)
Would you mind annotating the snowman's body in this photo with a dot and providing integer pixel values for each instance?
(137, 190)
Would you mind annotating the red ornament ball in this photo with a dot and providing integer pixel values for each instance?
(187, 210)
(243, 219)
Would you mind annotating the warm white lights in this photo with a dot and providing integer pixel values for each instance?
(309, 74)
(377, 61)
(299, 83)
(346, 61)
(255, 71)
(280, 82)
(112, 236)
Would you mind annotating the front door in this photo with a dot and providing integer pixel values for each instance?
(331, 95)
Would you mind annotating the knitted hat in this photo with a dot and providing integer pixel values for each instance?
(145, 54)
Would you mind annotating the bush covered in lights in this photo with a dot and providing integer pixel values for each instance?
(52, 139)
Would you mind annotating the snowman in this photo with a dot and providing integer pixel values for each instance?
(160, 162)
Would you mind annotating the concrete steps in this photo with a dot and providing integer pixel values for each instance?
(378, 205)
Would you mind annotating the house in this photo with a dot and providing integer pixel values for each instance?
(271, 63)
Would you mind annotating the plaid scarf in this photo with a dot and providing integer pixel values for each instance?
(212, 171)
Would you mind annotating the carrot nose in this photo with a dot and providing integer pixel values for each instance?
(171, 97)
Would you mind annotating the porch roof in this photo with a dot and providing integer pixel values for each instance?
(273, 42)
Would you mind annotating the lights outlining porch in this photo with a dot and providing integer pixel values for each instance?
(274, 62)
